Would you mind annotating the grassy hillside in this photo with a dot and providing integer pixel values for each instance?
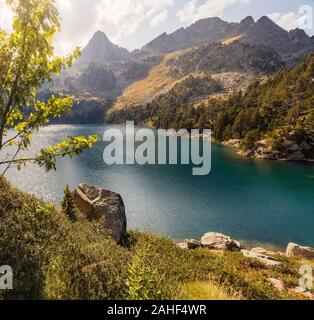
(158, 81)
(54, 258)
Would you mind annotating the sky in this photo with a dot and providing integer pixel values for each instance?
(133, 23)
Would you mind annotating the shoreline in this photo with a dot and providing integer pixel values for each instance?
(249, 245)
(243, 154)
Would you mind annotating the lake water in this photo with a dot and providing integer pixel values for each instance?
(256, 201)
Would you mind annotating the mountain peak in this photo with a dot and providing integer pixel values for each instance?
(248, 21)
(100, 35)
(267, 23)
(298, 34)
(265, 19)
(264, 27)
(101, 49)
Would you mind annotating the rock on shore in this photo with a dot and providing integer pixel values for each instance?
(295, 250)
(212, 241)
(105, 206)
(219, 241)
(293, 147)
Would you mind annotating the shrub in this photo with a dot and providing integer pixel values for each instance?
(53, 258)
(68, 204)
(208, 290)
(142, 277)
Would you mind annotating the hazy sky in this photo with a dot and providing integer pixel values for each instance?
(132, 23)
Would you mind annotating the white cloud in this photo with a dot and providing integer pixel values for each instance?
(5, 17)
(302, 19)
(81, 18)
(195, 9)
(159, 19)
(287, 20)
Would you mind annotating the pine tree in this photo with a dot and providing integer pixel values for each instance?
(68, 204)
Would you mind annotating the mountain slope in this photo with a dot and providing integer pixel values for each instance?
(243, 63)
(270, 120)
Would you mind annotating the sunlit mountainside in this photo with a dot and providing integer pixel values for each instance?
(107, 75)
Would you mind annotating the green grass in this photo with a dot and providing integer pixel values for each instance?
(208, 290)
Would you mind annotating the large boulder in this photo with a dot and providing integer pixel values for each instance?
(219, 241)
(105, 206)
(295, 250)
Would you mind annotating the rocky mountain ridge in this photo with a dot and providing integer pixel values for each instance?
(104, 70)
(264, 31)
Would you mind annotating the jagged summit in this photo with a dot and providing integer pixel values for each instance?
(298, 34)
(208, 20)
(264, 32)
(247, 21)
(266, 20)
(101, 49)
(204, 30)
(267, 24)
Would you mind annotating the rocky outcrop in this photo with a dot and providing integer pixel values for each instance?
(212, 241)
(295, 250)
(105, 206)
(266, 260)
(96, 77)
(291, 148)
(219, 241)
(234, 143)
(189, 244)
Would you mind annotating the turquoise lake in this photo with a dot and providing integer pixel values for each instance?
(259, 202)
